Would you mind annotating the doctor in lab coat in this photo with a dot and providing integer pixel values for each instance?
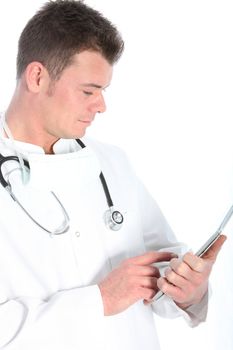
(91, 287)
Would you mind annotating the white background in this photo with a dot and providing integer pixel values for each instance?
(170, 108)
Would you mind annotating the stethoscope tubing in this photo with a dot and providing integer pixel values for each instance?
(113, 218)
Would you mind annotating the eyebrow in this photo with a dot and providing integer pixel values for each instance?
(94, 85)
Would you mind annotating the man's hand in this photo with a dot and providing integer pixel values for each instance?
(133, 280)
(186, 279)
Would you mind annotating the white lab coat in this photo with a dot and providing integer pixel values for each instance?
(49, 298)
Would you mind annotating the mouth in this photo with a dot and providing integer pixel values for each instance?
(86, 122)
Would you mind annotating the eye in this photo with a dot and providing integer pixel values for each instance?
(88, 93)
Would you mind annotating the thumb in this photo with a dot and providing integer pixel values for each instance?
(213, 251)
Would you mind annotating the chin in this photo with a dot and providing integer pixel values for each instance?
(74, 133)
(79, 134)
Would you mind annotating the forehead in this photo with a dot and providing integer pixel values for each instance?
(89, 65)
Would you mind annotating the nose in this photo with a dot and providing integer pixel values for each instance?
(99, 105)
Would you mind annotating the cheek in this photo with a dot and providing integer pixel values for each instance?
(72, 102)
(66, 104)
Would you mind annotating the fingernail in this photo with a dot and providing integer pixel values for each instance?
(173, 255)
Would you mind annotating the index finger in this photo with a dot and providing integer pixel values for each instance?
(152, 257)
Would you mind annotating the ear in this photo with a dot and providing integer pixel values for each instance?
(36, 76)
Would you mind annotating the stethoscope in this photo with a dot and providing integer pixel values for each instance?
(112, 218)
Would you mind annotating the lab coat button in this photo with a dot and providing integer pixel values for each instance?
(77, 234)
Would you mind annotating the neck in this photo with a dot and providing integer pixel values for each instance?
(25, 127)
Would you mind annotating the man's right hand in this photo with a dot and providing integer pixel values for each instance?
(135, 279)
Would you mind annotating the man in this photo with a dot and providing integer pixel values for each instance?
(68, 280)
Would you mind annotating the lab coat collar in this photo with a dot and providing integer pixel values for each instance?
(70, 163)
(79, 167)
(62, 146)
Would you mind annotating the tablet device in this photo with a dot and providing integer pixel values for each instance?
(206, 246)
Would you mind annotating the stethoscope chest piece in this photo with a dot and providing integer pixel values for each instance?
(113, 219)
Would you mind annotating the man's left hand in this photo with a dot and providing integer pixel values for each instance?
(186, 279)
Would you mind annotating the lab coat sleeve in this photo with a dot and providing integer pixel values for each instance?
(159, 236)
(69, 319)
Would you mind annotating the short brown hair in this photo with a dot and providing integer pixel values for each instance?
(63, 28)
